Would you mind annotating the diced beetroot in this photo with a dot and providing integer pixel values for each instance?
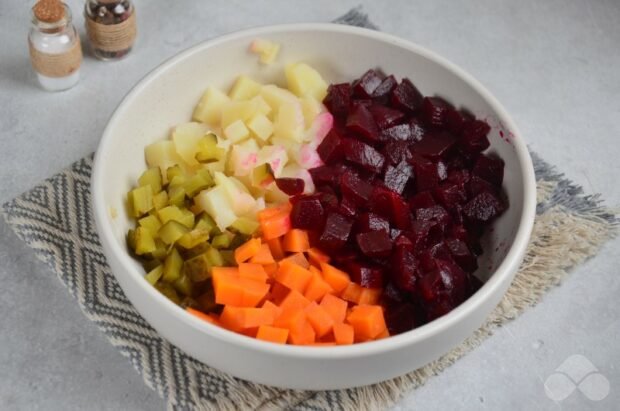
(384, 116)
(439, 307)
(335, 232)
(361, 121)
(483, 208)
(474, 136)
(401, 239)
(387, 203)
(385, 88)
(418, 131)
(338, 99)
(307, 213)
(454, 280)
(290, 186)
(455, 119)
(450, 194)
(365, 86)
(426, 173)
(406, 96)
(392, 294)
(374, 243)
(460, 176)
(423, 199)
(400, 132)
(435, 111)
(435, 213)
(397, 151)
(363, 155)
(323, 175)
(329, 200)
(477, 185)
(366, 103)
(461, 254)
(347, 207)
(396, 178)
(365, 275)
(330, 149)
(367, 221)
(355, 188)
(344, 256)
(430, 286)
(404, 267)
(434, 145)
(490, 168)
(400, 318)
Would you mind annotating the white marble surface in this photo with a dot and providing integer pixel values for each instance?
(555, 64)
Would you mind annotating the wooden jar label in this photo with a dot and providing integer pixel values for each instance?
(57, 65)
(112, 37)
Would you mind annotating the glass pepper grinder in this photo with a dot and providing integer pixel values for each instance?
(111, 27)
(55, 49)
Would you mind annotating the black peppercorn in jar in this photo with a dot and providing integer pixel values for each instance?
(111, 27)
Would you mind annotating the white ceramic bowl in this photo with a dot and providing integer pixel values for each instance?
(167, 96)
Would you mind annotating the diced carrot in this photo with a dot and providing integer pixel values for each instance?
(247, 250)
(317, 256)
(343, 334)
(335, 307)
(384, 334)
(275, 226)
(302, 333)
(369, 296)
(267, 213)
(317, 287)
(319, 319)
(293, 276)
(290, 318)
(250, 332)
(352, 293)
(253, 271)
(336, 278)
(271, 306)
(236, 291)
(367, 321)
(323, 344)
(294, 300)
(299, 259)
(278, 293)
(275, 246)
(271, 269)
(296, 241)
(218, 272)
(272, 334)
(201, 315)
(253, 292)
(263, 256)
(240, 318)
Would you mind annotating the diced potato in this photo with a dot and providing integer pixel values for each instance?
(244, 88)
(296, 171)
(172, 267)
(186, 137)
(171, 231)
(261, 176)
(219, 165)
(209, 109)
(275, 156)
(145, 243)
(311, 108)
(236, 131)
(261, 105)
(141, 200)
(292, 147)
(260, 126)
(266, 50)
(303, 80)
(237, 110)
(240, 201)
(162, 154)
(243, 158)
(276, 96)
(274, 195)
(155, 274)
(151, 223)
(289, 122)
(151, 177)
(216, 202)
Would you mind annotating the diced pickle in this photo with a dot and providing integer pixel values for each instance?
(205, 222)
(145, 243)
(161, 250)
(131, 239)
(173, 267)
(223, 240)
(141, 200)
(151, 177)
(183, 285)
(151, 223)
(238, 240)
(208, 149)
(199, 249)
(214, 257)
(228, 257)
(196, 184)
(150, 264)
(206, 301)
(189, 302)
(198, 268)
(176, 196)
(177, 181)
(160, 200)
(174, 171)
(169, 291)
(170, 232)
(193, 238)
(170, 213)
(245, 225)
(155, 274)
(187, 218)
(261, 176)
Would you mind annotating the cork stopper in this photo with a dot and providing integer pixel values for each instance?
(49, 11)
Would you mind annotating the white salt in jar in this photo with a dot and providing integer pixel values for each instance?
(55, 49)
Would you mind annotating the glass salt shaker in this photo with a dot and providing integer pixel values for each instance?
(111, 27)
(55, 49)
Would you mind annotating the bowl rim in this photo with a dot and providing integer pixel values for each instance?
(506, 268)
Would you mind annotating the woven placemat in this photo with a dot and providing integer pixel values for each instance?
(54, 218)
